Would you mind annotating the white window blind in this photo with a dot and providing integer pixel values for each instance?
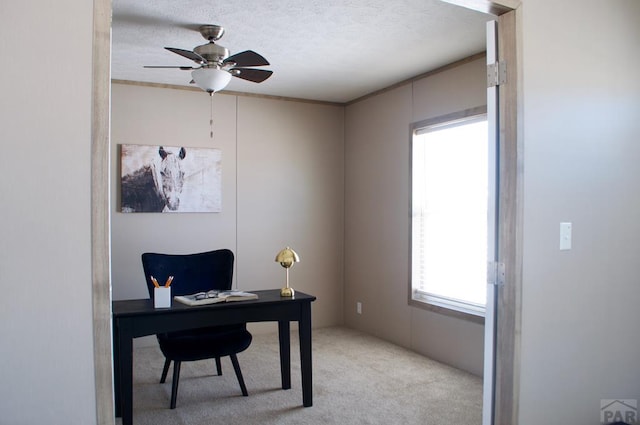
(449, 214)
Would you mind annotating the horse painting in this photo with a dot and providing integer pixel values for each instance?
(154, 186)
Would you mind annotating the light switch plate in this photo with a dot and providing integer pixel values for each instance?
(565, 236)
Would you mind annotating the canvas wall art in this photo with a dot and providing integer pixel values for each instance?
(170, 179)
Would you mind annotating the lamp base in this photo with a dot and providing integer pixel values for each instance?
(287, 292)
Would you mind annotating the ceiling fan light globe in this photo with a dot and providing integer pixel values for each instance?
(211, 80)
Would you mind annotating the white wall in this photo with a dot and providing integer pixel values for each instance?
(283, 184)
(152, 116)
(377, 216)
(291, 192)
(580, 308)
(46, 329)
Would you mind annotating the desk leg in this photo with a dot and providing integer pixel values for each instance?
(125, 360)
(285, 353)
(304, 331)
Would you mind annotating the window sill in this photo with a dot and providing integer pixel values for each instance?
(447, 310)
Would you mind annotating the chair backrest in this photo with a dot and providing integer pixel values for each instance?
(191, 272)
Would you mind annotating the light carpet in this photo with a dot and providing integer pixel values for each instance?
(357, 379)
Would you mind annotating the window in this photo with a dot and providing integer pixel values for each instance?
(450, 189)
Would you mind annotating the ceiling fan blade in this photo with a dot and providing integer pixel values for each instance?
(184, 68)
(247, 58)
(188, 54)
(250, 74)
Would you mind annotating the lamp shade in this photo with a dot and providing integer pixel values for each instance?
(211, 80)
(287, 257)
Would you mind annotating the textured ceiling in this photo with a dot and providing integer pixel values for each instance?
(329, 50)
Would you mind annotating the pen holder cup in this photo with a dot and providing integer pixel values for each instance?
(162, 297)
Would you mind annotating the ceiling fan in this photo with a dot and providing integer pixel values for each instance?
(216, 67)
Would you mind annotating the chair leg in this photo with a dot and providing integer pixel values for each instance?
(236, 367)
(165, 370)
(218, 366)
(174, 386)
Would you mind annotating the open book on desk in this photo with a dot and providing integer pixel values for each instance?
(213, 296)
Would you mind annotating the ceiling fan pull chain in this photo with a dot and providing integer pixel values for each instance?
(211, 119)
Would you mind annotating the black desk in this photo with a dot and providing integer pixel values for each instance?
(136, 318)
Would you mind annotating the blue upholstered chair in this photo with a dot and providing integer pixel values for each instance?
(194, 273)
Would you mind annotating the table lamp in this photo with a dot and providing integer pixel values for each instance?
(286, 258)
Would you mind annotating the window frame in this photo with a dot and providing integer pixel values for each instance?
(430, 302)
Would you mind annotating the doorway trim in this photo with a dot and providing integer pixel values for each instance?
(100, 213)
(510, 198)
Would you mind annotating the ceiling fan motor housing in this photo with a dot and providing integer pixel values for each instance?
(213, 53)
(211, 32)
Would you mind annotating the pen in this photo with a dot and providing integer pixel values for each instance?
(155, 282)
(168, 282)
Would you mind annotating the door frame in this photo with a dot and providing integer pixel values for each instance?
(511, 157)
(100, 212)
(510, 201)
(510, 207)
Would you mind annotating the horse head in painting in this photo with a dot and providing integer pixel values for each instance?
(155, 186)
(169, 177)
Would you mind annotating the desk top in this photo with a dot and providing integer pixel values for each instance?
(144, 307)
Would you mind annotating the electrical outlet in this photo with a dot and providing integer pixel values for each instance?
(359, 307)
